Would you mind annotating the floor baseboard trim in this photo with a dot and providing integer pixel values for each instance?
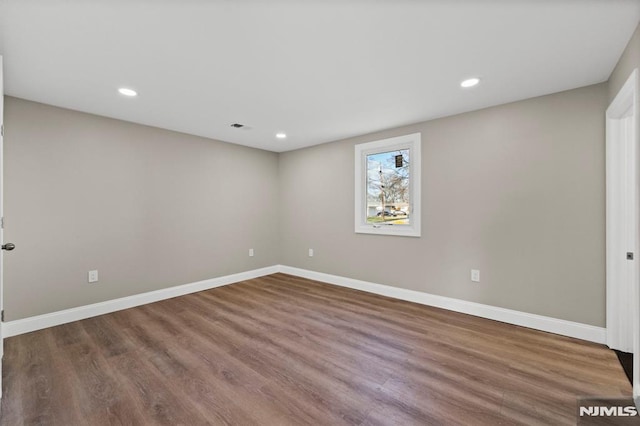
(26, 325)
(537, 322)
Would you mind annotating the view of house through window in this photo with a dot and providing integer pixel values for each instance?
(388, 195)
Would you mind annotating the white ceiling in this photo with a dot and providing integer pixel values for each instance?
(319, 70)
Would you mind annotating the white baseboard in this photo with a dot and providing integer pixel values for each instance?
(26, 325)
(537, 322)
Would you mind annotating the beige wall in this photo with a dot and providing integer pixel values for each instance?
(629, 60)
(148, 208)
(516, 191)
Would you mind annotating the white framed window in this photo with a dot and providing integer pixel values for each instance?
(387, 186)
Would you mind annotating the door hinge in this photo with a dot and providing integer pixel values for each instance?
(2, 315)
(2, 130)
(2, 222)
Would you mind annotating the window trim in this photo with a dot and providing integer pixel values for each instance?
(411, 142)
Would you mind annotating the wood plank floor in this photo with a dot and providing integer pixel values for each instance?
(281, 350)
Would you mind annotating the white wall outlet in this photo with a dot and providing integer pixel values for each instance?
(475, 275)
(93, 276)
(310, 252)
(250, 252)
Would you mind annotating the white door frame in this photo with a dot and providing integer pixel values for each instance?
(1, 219)
(623, 197)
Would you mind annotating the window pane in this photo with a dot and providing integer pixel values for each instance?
(388, 187)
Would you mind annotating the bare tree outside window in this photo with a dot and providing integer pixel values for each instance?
(387, 186)
(388, 194)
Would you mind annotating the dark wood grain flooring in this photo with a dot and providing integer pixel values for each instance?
(282, 350)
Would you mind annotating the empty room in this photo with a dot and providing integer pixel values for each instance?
(314, 212)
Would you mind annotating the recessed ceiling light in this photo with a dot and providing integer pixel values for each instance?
(127, 92)
(281, 135)
(470, 82)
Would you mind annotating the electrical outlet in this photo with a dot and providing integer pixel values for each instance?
(475, 275)
(93, 276)
(310, 252)
(250, 252)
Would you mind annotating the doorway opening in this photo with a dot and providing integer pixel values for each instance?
(623, 198)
